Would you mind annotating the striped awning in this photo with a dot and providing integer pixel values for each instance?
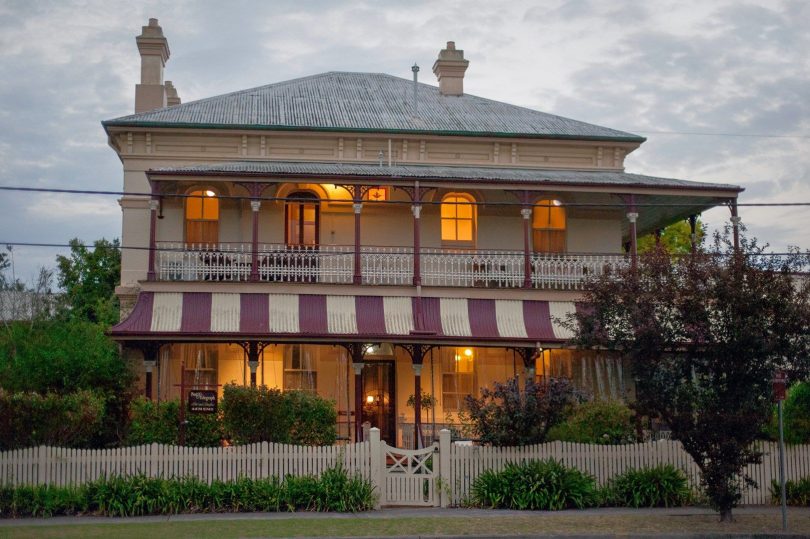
(194, 315)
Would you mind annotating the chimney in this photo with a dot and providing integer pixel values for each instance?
(150, 94)
(172, 98)
(449, 69)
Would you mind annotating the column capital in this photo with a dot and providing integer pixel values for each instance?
(149, 364)
(253, 366)
(154, 204)
(358, 207)
(632, 216)
(736, 219)
(255, 205)
(526, 213)
(417, 369)
(416, 209)
(358, 368)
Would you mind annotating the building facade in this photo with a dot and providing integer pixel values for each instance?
(371, 238)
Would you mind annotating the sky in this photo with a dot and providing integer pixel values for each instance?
(721, 89)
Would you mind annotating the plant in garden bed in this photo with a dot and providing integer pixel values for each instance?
(158, 422)
(334, 490)
(796, 492)
(535, 485)
(659, 486)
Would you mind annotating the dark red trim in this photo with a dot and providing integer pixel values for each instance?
(254, 313)
(537, 318)
(483, 320)
(431, 314)
(312, 315)
(140, 319)
(196, 316)
(370, 315)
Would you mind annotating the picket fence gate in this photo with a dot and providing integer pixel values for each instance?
(441, 474)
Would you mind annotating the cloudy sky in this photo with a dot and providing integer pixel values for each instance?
(721, 89)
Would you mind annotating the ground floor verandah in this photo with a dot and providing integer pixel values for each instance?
(371, 355)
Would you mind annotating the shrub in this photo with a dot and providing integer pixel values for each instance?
(660, 486)
(508, 416)
(796, 492)
(139, 495)
(31, 419)
(535, 485)
(796, 412)
(261, 414)
(153, 422)
(597, 422)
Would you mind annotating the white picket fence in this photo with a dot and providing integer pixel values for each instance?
(454, 467)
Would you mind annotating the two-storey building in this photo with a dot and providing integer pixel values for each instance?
(370, 238)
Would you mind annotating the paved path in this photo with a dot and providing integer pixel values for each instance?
(397, 512)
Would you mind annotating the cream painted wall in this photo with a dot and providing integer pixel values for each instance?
(594, 235)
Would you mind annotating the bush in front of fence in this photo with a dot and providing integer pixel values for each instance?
(535, 485)
(158, 422)
(335, 490)
(796, 492)
(596, 422)
(659, 486)
(30, 419)
(262, 414)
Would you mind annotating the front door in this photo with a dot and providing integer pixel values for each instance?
(379, 397)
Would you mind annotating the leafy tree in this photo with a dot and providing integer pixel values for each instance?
(89, 277)
(675, 239)
(705, 334)
(507, 416)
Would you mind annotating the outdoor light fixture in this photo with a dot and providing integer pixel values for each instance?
(556, 202)
(210, 193)
(468, 352)
(370, 399)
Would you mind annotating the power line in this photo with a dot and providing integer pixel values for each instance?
(401, 202)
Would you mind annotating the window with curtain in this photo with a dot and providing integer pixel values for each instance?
(458, 220)
(302, 219)
(202, 217)
(300, 368)
(458, 377)
(548, 227)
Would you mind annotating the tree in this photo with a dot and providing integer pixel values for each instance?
(705, 334)
(89, 277)
(675, 239)
(507, 416)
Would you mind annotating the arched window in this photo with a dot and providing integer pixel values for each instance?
(303, 219)
(458, 220)
(548, 227)
(202, 217)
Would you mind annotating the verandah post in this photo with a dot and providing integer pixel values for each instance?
(357, 365)
(632, 216)
(416, 209)
(154, 204)
(357, 206)
(735, 225)
(255, 206)
(526, 213)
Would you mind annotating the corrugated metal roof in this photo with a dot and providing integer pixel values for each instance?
(522, 175)
(339, 101)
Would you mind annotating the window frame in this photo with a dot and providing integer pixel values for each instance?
(549, 230)
(191, 195)
(468, 244)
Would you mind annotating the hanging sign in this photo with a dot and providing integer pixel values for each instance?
(202, 401)
(779, 385)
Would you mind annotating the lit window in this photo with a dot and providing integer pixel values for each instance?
(202, 217)
(548, 227)
(458, 377)
(300, 364)
(458, 219)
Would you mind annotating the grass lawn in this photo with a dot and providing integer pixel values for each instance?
(380, 527)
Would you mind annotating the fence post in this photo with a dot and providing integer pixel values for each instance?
(447, 489)
(377, 477)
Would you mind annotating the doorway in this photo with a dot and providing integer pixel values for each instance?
(379, 398)
(303, 220)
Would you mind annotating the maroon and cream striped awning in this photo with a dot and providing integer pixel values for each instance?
(288, 317)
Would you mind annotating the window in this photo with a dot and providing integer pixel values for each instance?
(300, 364)
(201, 361)
(458, 377)
(202, 217)
(548, 227)
(302, 219)
(458, 219)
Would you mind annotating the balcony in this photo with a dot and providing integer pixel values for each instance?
(379, 265)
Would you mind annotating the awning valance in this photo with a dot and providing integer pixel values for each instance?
(173, 316)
